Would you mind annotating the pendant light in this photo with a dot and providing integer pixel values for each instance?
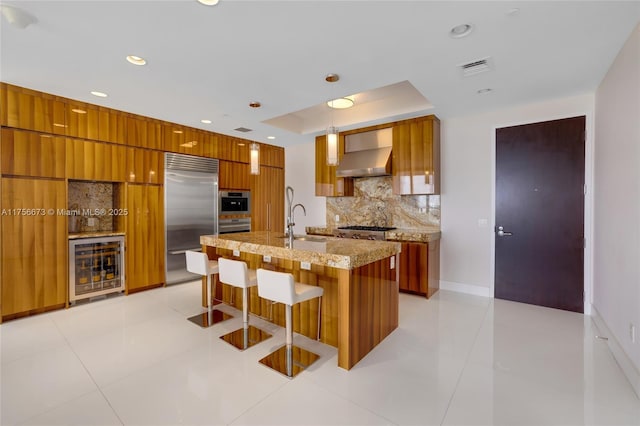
(254, 158)
(332, 146)
(332, 141)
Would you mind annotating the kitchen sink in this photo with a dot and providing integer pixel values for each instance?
(310, 238)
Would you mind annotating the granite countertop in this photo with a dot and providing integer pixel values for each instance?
(335, 252)
(95, 234)
(420, 235)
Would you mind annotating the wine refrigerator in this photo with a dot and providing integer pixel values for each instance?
(96, 267)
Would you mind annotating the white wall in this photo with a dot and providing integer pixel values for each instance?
(468, 168)
(300, 175)
(617, 201)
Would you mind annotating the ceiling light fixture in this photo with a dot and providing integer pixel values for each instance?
(460, 31)
(99, 94)
(208, 2)
(332, 78)
(17, 17)
(341, 103)
(205, 121)
(255, 104)
(271, 137)
(136, 60)
(484, 91)
(332, 141)
(254, 158)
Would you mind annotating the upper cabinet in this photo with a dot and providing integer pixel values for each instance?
(30, 110)
(416, 156)
(327, 184)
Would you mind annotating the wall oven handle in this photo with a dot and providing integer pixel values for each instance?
(185, 250)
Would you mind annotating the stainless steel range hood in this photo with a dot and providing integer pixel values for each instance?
(367, 154)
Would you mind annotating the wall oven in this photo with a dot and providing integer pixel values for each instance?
(234, 202)
(230, 226)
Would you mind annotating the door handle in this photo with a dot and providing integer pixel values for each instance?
(502, 233)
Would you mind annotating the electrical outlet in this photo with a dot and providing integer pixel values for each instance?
(337, 218)
(305, 265)
(483, 223)
(236, 252)
(266, 259)
(392, 262)
(91, 221)
(632, 333)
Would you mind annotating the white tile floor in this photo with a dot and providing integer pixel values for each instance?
(454, 360)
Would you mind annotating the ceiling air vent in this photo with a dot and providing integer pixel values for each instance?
(476, 67)
(243, 129)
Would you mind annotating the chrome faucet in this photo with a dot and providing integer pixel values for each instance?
(290, 214)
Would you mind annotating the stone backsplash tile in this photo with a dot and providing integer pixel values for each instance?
(90, 196)
(374, 203)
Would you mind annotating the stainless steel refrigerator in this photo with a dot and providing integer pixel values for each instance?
(191, 209)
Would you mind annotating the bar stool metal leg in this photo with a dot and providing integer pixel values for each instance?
(248, 335)
(212, 316)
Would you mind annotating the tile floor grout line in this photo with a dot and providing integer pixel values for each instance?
(258, 402)
(89, 374)
(466, 362)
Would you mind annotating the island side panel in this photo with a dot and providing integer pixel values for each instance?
(368, 312)
(305, 315)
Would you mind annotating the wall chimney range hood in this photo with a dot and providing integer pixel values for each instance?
(367, 154)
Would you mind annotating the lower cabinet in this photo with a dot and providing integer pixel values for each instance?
(34, 246)
(145, 253)
(419, 268)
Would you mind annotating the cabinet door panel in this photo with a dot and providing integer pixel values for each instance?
(34, 247)
(95, 161)
(27, 153)
(232, 175)
(414, 268)
(31, 110)
(145, 252)
(327, 184)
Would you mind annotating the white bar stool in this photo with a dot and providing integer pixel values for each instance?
(280, 287)
(236, 273)
(199, 263)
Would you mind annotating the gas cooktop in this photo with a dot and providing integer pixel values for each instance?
(366, 228)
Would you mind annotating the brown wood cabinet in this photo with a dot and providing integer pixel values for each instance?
(327, 184)
(144, 132)
(87, 121)
(34, 246)
(30, 110)
(27, 153)
(88, 160)
(419, 268)
(144, 166)
(145, 253)
(232, 175)
(416, 156)
(267, 200)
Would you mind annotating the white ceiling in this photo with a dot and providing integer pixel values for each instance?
(211, 62)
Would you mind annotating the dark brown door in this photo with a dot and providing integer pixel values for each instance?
(540, 214)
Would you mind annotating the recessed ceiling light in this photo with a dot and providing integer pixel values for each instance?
(484, 91)
(208, 2)
(78, 111)
(255, 104)
(136, 60)
(460, 31)
(99, 94)
(332, 78)
(271, 137)
(205, 121)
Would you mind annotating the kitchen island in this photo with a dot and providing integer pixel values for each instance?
(360, 281)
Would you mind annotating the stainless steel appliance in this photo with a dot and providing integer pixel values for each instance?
(234, 202)
(230, 226)
(191, 209)
(362, 232)
(96, 267)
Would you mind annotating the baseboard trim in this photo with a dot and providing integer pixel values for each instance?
(466, 288)
(621, 357)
